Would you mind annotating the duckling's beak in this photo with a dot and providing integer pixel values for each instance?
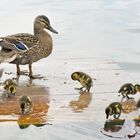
(52, 30)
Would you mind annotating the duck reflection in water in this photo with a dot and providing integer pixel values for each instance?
(82, 102)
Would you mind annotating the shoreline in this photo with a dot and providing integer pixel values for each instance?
(58, 87)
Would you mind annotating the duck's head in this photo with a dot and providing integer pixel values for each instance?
(108, 112)
(12, 90)
(137, 87)
(42, 22)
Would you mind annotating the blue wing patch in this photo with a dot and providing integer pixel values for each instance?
(21, 46)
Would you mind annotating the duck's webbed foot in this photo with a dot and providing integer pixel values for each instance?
(36, 76)
(33, 76)
(22, 73)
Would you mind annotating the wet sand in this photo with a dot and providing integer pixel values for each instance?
(59, 111)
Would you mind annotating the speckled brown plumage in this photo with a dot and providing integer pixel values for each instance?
(24, 48)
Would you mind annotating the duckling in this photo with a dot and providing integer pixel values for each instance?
(129, 89)
(25, 103)
(114, 109)
(84, 79)
(10, 86)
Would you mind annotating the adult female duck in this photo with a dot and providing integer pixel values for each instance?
(24, 48)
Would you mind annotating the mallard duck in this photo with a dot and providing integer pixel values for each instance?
(129, 89)
(25, 103)
(10, 86)
(114, 109)
(24, 48)
(84, 79)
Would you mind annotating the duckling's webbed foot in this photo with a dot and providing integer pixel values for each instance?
(87, 89)
(130, 98)
(79, 88)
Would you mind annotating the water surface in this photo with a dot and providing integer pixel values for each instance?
(87, 29)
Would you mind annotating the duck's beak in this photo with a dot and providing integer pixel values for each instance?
(52, 30)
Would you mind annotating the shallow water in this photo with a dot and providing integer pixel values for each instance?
(87, 29)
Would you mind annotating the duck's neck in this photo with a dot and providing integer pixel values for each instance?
(38, 30)
(45, 38)
(41, 32)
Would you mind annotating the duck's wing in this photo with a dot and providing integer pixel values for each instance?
(12, 46)
(18, 42)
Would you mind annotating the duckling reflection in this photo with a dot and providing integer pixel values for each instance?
(129, 89)
(114, 125)
(38, 114)
(37, 120)
(25, 103)
(120, 128)
(84, 79)
(10, 85)
(24, 126)
(129, 106)
(114, 109)
(82, 102)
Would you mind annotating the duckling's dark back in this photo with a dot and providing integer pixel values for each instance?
(125, 87)
(85, 77)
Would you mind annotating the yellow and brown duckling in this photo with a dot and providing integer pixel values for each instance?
(25, 103)
(84, 79)
(10, 86)
(25, 48)
(129, 89)
(114, 109)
